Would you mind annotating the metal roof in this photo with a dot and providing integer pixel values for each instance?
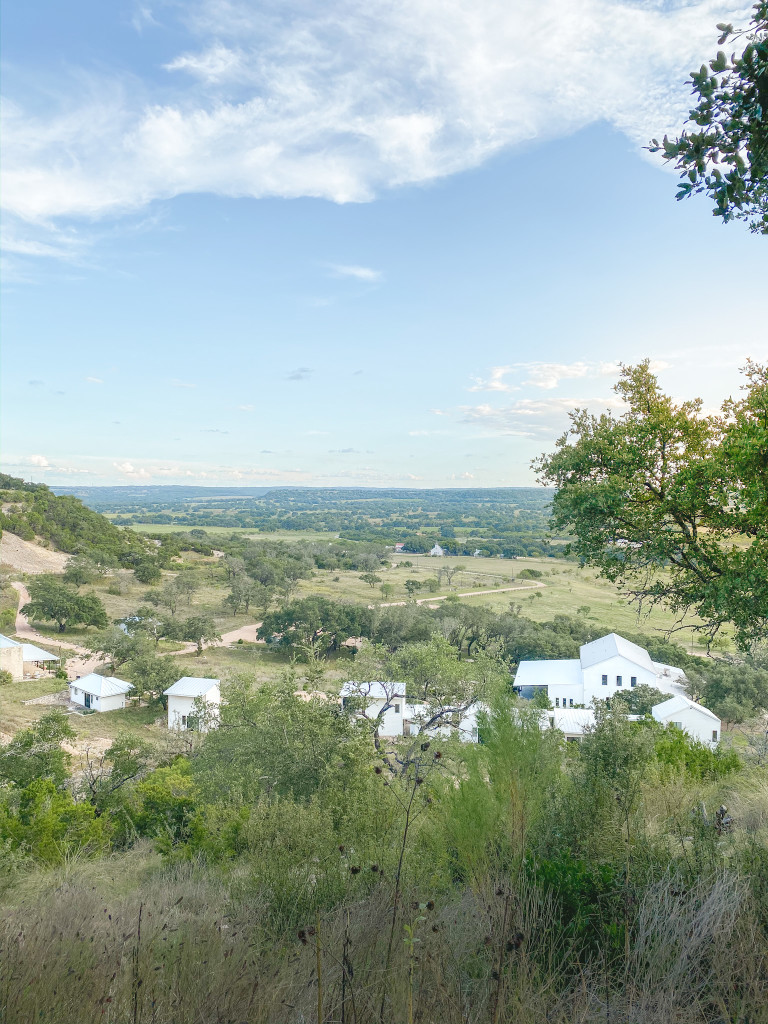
(5, 641)
(32, 653)
(612, 646)
(191, 686)
(675, 705)
(549, 673)
(101, 686)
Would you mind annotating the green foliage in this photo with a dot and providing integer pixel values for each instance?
(147, 571)
(67, 523)
(639, 700)
(5, 677)
(49, 825)
(725, 155)
(79, 570)
(36, 754)
(7, 621)
(675, 751)
(530, 574)
(314, 620)
(657, 497)
(52, 600)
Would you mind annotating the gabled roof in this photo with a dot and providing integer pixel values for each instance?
(574, 721)
(32, 653)
(549, 673)
(675, 705)
(5, 641)
(612, 646)
(191, 686)
(373, 690)
(101, 686)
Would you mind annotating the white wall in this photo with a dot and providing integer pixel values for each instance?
(613, 667)
(113, 703)
(694, 722)
(12, 660)
(182, 707)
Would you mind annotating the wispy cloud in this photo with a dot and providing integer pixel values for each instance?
(94, 380)
(176, 383)
(529, 417)
(359, 273)
(342, 102)
(300, 373)
(536, 374)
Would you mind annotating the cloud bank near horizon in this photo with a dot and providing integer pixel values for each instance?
(341, 102)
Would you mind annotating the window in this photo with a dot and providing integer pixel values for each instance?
(714, 735)
(184, 721)
(619, 681)
(557, 701)
(678, 725)
(571, 701)
(605, 680)
(397, 709)
(633, 680)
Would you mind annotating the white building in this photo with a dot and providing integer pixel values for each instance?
(603, 668)
(11, 658)
(697, 721)
(24, 660)
(403, 717)
(193, 703)
(437, 551)
(99, 693)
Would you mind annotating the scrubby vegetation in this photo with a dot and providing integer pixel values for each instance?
(283, 870)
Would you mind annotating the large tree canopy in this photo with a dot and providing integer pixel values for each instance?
(726, 154)
(671, 503)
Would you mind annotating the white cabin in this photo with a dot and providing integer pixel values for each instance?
(184, 699)
(372, 697)
(604, 667)
(437, 551)
(99, 693)
(697, 721)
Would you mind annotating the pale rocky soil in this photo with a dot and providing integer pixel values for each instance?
(26, 556)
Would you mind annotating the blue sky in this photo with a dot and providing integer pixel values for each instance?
(371, 243)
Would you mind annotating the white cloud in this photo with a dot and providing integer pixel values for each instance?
(211, 65)
(495, 382)
(528, 416)
(127, 469)
(94, 380)
(340, 102)
(38, 460)
(176, 383)
(361, 273)
(549, 375)
(246, 408)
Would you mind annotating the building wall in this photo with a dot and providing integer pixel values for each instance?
(613, 667)
(180, 708)
(12, 660)
(696, 724)
(113, 703)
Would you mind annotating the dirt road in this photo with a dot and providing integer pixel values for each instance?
(83, 662)
(469, 593)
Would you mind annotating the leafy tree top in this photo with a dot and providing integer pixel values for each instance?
(725, 154)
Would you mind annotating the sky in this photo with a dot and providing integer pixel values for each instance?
(350, 243)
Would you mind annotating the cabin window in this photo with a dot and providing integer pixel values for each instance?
(605, 680)
(397, 709)
(714, 735)
(678, 725)
(633, 680)
(571, 701)
(184, 720)
(619, 681)
(557, 701)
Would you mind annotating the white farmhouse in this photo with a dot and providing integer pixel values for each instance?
(697, 721)
(99, 693)
(603, 668)
(182, 706)
(437, 551)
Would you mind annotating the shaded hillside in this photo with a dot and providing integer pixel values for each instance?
(33, 510)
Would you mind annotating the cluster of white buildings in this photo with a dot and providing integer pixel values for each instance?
(193, 703)
(604, 668)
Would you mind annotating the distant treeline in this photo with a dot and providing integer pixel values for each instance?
(494, 521)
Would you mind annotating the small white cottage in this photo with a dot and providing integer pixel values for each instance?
(99, 693)
(437, 551)
(182, 706)
(699, 722)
